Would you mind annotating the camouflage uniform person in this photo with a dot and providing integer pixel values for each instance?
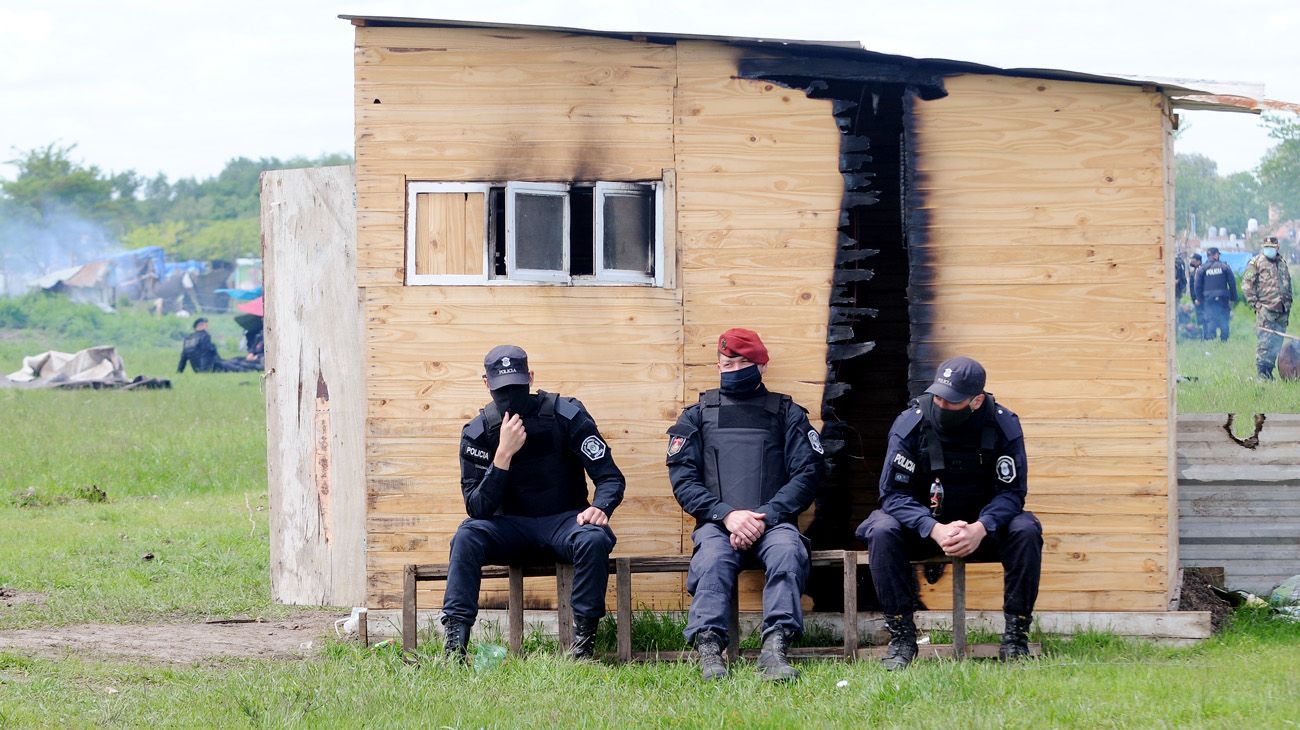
(1267, 286)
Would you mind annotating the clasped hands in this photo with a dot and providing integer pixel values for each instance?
(958, 538)
(745, 527)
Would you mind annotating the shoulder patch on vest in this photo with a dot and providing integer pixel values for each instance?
(567, 408)
(474, 453)
(676, 444)
(904, 463)
(593, 448)
(815, 440)
(1006, 469)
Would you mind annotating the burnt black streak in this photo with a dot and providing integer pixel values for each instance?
(870, 329)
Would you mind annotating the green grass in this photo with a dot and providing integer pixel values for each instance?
(1243, 677)
(1221, 375)
(184, 475)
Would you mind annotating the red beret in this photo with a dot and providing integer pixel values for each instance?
(737, 342)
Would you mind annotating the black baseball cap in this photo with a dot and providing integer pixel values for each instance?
(1212, 250)
(199, 321)
(1197, 256)
(957, 379)
(506, 365)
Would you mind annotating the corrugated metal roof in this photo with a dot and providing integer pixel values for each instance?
(1184, 93)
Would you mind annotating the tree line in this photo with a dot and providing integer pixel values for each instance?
(213, 219)
(1203, 197)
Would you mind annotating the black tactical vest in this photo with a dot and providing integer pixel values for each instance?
(743, 447)
(545, 476)
(966, 469)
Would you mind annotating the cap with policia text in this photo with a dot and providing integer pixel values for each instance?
(506, 365)
(957, 379)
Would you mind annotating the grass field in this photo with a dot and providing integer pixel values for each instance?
(1246, 676)
(184, 474)
(1221, 375)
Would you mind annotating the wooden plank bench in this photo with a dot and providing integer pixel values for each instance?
(623, 568)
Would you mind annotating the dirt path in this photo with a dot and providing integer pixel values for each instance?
(293, 638)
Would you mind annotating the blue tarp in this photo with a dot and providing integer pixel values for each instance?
(243, 295)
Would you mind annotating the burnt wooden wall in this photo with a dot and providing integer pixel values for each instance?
(1040, 253)
(753, 188)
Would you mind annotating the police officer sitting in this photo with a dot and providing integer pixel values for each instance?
(521, 463)
(963, 454)
(744, 462)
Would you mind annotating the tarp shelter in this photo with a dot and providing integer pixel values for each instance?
(131, 275)
(868, 214)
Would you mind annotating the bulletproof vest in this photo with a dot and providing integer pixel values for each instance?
(964, 466)
(743, 444)
(1214, 283)
(545, 477)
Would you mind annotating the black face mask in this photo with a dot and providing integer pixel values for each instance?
(947, 421)
(742, 381)
(513, 399)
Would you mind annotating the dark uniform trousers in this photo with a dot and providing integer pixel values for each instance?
(1017, 545)
(505, 539)
(1216, 314)
(714, 568)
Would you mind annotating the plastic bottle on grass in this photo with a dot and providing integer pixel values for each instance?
(488, 656)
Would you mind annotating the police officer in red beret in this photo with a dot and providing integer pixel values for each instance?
(745, 462)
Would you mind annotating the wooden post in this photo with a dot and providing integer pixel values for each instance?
(733, 623)
(850, 604)
(623, 589)
(515, 605)
(363, 628)
(408, 609)
(564, 604)
(959, 608)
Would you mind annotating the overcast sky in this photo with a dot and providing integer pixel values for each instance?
(180, 87)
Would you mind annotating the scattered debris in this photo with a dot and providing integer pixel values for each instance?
(147, 556)
(91, 493)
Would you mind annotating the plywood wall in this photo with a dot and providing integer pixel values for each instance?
(1042, 255)
(757, 191)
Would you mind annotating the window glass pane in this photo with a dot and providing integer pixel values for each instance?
(629, 231)
(539, 231)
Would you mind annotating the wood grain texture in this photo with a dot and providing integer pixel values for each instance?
(1043, 257)
(314, 367)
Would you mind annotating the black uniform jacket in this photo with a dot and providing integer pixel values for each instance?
(782, 500)
(988, 484)
(546, 476)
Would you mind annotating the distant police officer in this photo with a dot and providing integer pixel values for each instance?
(954, 482)
(744, 462)
(522, 461)
(1214, 293)
(1267, 286)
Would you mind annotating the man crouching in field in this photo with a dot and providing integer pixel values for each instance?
(521, 464)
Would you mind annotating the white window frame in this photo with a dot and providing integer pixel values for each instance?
(513, 272)
(414, 189)
(627, 276)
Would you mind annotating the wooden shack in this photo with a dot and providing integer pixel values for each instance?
(612, 201)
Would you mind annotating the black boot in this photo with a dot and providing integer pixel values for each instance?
(584, 637)
(1015, 639)
(772, 659)
(1265, 371)
(456, 633)
(709, 646)
(902, 642)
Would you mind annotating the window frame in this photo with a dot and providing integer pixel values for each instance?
(414, 189)
(533, 277)
(550, 276)
(605, 275)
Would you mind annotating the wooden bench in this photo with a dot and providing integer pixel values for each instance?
(623, 568)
